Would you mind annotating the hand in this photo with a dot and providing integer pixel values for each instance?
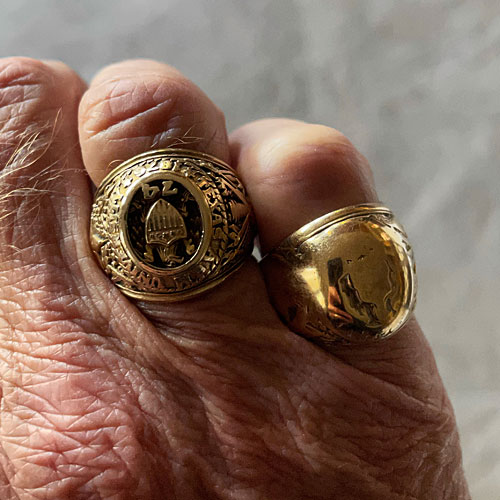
(209, 398)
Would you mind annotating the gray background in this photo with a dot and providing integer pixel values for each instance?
(414, 84)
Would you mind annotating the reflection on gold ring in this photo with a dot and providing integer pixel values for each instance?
(347, 276)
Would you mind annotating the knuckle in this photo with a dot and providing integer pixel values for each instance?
(23, 78)
(157, 105)
(309, 153)
(34, 95)
(22, 81)
(14, 68)
(147, 105)
(32, 92)
(119, 101)
(312, 145)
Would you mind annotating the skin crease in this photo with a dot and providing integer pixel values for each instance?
(105, 398)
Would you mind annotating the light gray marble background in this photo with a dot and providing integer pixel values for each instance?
(414, 84)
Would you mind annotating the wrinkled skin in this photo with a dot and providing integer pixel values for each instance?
(103, 398)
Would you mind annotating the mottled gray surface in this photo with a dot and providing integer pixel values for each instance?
(414, 84)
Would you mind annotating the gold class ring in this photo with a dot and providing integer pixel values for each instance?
(170, 224)
(346, 277)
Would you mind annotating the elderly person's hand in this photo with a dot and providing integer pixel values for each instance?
(213, 397)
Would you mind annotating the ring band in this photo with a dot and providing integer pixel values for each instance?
(170, 224)
(348, 276)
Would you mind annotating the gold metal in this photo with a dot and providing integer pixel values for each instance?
(348, 276)
(170, 224)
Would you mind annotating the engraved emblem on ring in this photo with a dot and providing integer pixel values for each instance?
(167, 221)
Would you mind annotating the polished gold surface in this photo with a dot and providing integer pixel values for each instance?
(348, 276)
(170, 224)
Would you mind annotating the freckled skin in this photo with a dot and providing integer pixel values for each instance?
(105, 398)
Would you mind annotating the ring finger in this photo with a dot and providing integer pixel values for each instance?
(296, 172)
(135, 106)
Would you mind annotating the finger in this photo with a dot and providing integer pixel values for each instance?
(290, 174)
(42, 178)
(134, 106)
(296, 172)
(44, 198)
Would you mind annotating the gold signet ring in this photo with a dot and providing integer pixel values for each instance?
(170, 224)
(348, 276)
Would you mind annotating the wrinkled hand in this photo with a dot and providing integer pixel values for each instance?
(103, 398)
